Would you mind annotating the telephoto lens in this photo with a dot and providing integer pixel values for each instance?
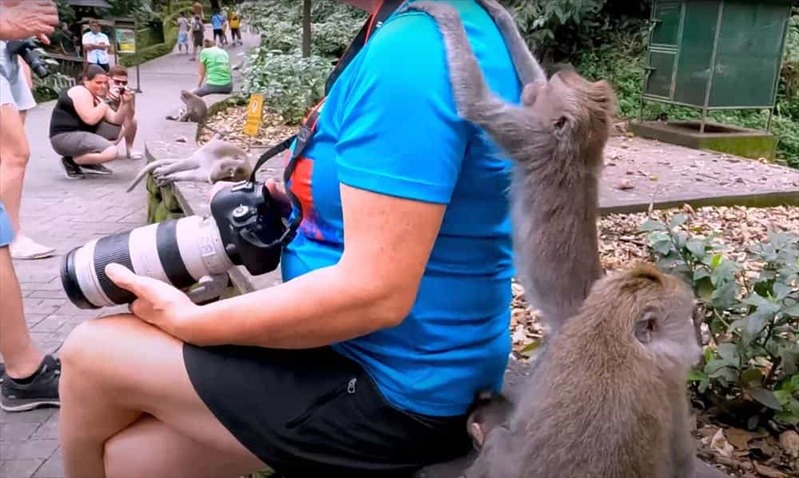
(245, 228)
(179, 252)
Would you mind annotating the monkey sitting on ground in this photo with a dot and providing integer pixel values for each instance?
(196, 109)
(556, 139)
(608, 398)
(216, 160)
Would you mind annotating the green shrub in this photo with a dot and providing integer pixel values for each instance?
(750, 370)
(291, 84)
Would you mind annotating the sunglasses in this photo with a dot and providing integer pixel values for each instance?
(120, 82)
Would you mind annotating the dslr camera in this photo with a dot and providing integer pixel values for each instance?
(245, 227)
(27, 50)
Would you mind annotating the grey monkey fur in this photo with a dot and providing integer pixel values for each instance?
(554, 187)
(216, 160)
(526, 134)
(196, 110)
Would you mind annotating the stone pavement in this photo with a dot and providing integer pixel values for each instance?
(65, 214)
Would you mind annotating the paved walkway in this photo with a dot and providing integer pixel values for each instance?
(65, 214)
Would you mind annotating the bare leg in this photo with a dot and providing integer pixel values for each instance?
(104, 397)
(131, 127)
(151, 448)
(21, 357)
(14, 155)
(109, 154)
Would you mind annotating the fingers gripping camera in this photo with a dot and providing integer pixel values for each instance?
(245, 228)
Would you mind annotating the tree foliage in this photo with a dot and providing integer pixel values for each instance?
(750, 371)
(289, 72)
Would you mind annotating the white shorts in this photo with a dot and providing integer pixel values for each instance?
(16, 93)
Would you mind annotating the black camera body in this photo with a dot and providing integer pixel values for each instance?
(26, 50)
(250, 225)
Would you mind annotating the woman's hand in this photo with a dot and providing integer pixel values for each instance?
(158, 303)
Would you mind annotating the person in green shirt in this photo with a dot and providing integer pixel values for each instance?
(214, 71)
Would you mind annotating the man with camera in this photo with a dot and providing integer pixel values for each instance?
(29, 377)
(394, 308)
(117, 85)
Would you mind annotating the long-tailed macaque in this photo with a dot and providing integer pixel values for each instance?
(214, 161)
(556, 139)
(607, 398)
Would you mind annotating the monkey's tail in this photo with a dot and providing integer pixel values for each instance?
(145, 171)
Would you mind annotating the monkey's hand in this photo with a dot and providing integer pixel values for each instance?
(197, 176)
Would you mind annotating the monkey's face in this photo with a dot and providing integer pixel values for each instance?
(571, 109)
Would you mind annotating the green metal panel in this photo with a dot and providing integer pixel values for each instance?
(661, 73)
(696, 51)
(714, 54)
(749, 54)
(667, 16)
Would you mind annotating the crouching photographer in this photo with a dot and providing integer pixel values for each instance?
(393, 313)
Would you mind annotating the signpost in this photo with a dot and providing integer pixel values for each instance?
(125, 42)
(252, 126)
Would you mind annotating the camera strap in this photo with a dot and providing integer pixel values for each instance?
(308, 126)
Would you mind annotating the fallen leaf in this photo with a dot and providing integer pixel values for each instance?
(625, 185)
(768, 472)
(789, 441)
(720, 445)
(739, 438)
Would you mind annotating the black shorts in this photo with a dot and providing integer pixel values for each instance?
(309, 413)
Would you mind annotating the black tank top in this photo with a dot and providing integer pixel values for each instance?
(65, 118)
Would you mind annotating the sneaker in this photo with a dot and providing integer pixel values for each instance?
(2, 371)
(96, 169)
(133, 154)
(24, 247)
(41, 390)
(71, 169)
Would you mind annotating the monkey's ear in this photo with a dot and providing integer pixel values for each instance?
(605, 95)
(476, 431)
(648, 324)
(563, 124)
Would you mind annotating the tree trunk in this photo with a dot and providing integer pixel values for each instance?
(306, 28)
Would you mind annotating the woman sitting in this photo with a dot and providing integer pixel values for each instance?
(394, 310)
(73, 125)
(214, 70)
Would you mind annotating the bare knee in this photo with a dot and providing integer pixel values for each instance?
(89, 341)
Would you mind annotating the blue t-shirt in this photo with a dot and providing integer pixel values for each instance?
(389, 125)
(217, 21)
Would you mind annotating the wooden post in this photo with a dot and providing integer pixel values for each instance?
(306, 28)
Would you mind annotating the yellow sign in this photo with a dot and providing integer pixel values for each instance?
(252, 126)
(126, 40)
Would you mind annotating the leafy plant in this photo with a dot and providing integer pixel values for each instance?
(290, 83)
(751, 368)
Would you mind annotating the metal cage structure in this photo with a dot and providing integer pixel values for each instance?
(716, 54)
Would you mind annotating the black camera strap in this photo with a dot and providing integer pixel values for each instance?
(308, 126)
